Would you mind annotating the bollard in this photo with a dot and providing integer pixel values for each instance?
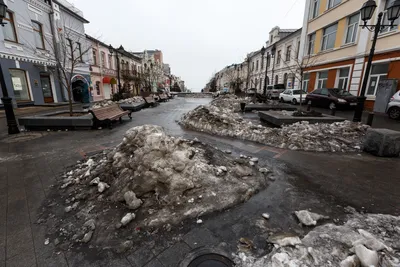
(333, 111)
(309, 107)
(370, 118)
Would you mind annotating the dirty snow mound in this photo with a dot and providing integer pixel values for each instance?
(220, 118)
(106, 103)
(364, 240)
(150, 180)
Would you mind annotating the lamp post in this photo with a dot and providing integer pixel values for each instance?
(367, 10)
(262, 64)
(7, 101)
(111, 50)
(273, 50)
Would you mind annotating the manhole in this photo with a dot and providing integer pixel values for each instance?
(211, 260)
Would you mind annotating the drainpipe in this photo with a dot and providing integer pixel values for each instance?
(57, 54)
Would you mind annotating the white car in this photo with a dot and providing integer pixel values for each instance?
(393, 108)
(292, 95)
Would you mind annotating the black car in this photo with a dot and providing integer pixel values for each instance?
(331, 98)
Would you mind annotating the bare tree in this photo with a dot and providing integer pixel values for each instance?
(297, 67)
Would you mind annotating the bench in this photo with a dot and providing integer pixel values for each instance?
(106, 115)
(169, 95)
(150, 101)
(163, 97)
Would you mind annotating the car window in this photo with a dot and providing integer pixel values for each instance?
(324, 92)
(317, 91)
(341, 92)
(297, 92)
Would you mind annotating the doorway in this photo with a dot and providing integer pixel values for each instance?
(46, 88)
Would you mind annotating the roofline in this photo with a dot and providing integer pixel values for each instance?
(286, 37)
(96, 40)
(72, 13)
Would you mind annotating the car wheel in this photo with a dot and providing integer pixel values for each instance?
(294, 101)
(282, 100)
(394, 113)
(332, 105)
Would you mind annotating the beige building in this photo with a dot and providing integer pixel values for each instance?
(336, 49)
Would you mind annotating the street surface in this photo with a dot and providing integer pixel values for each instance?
(322, 182)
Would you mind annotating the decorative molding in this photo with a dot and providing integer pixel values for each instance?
(13, 45)
(25, 59)
(35, 9)
(24, 26)
(48, 34)
(38, 6)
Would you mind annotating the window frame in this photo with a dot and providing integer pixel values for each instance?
(311, 40)
(324, 35)
(322, 80)
(378, 76)
(345, 79)
(330, 4)
(103, 59)
(40, 32)
(385, 21)
(110, 61)
(279, 56)
(354, 30)
(288, 52)
(26, 81)
(94, 55)
(314, 9)
(11, 21)
(257, 63)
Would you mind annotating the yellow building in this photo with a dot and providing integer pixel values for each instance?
(336, 48)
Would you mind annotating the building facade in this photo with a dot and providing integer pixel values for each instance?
(103, 70)
(28, 64)
(336, 49)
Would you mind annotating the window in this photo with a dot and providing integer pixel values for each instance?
(268, 60)
(378, 73)
(324, 91)
(20, 85)
(333, 3)
(252, 68)
(276, 79)
(262, 62)
(352, 28)
(98, 88)
(385, 20)
(103, 59)
(311, 42)
(322, 79)
(123, 65)
(9, 31)
(38, 32)
(94, 57)
(278, 60)
(79, 50)
(110, 61)
(306, 80)
(314, 8)
(329, 38)
(288, 52)
(343, 78)
(257, 66)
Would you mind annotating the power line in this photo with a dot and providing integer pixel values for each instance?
(290, 9)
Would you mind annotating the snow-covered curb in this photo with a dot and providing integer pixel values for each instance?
(106, 103)
(220, 118)
(364, 240)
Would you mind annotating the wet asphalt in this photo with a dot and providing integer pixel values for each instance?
(321, 182)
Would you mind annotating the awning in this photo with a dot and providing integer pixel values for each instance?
(106, 80)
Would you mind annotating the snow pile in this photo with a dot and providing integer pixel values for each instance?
(196, 95)
(220, 118)
(152, 179)
(364, 240)
(106, 103)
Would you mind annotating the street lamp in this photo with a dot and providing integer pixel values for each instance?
(111, 50)
(273, 50)
(262, 64)
(7, 101)
(367, 11)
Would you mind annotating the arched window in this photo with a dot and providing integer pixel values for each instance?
(276, 79)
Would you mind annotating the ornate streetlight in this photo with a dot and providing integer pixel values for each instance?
(111, 50)
(273, 51)
(367, 11)
(7, 101)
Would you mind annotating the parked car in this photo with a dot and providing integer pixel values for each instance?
(331, 98)
(274, 91)
(393, 108)
(293, 96)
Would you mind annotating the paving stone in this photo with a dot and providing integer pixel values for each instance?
(154, 263)
(52, 260)
(141, 256)
(173, 255)
(116, 262)
(200, 237)
(25, 259)
(19, 242)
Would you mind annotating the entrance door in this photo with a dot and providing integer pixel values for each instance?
(46, 88)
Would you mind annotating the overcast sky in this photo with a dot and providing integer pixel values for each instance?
(197, 38)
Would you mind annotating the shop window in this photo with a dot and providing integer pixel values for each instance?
(352, 28)
(306, 80)
(378, 73)
(344, 78)
(329, 37)
(38, 32)
(98, 88)
(322, 79)
(10, 34)
(20, 85)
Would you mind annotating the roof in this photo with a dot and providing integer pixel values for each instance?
(96, 40)
(288, 30)
(72, 10)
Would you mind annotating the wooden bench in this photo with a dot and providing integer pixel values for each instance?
(150, 101)
(106, 115)
(163, 97)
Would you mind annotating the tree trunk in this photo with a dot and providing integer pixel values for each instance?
(69, 100)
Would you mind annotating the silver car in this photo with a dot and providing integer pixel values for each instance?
(393, 108)
(275, 91)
